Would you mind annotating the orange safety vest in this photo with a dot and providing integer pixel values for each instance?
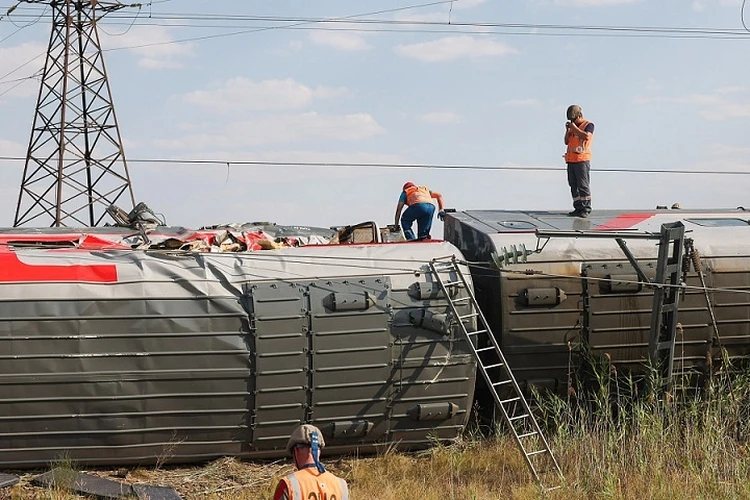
(578, 149)
(418, 194)
(309, 484)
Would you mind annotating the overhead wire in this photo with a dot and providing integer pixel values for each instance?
(19, 82)
(268, 28)
(22, 66)
(310, 164)
(130, 26)
(356, 20)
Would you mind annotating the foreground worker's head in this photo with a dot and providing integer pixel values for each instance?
(305, 444)
(407, 185)
(574, 112)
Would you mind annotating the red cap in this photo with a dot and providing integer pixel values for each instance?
(407, 185)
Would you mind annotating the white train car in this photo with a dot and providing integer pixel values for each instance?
(110, 355)
(581, 292)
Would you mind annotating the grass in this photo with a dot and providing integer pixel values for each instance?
(613, 440)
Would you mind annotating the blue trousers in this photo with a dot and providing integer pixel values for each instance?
(422, 213)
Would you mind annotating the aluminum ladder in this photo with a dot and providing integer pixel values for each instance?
(500, 380)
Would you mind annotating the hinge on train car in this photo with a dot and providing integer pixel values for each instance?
(620, 283)
(432, 411)
(341, 301)
(428, 290)
(539, 297)
(434, 322)
(350, 428)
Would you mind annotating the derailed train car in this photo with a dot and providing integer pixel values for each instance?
(111, 355)
(552, 302)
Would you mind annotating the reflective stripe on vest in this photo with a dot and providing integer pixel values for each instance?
(578, 149)
(418, 194)
(296, 490)
(344, 490)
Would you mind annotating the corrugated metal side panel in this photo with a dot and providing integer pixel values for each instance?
(732, 307)
(133, 379)
(429, 367)
(535, 338)
(351, 375)
(279, 314)
(620, 323)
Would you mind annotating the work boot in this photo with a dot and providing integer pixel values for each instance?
(574, 213)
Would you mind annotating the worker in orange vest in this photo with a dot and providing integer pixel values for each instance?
(578, 136)
(418, 199)
(311, 481)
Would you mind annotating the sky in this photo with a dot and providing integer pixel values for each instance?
(420, 83)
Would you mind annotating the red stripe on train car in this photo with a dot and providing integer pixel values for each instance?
(13, 270)
(625, 221)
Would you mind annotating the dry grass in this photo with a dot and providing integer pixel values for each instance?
(595, 466)
(610, 446)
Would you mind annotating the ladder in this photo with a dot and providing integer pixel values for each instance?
(500, 380)
(666, 299)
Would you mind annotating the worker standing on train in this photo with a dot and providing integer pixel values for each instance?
(578, 136)
(420, 208)
(311, 481)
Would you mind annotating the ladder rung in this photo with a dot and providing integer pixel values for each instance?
(451, 283)
(509, 400)
(472, 315)
(545, 471)
(493, 366)
(537, 452)
(462, 299)
(518, 417)
(484, 349)
(533, 433)
(476, 332)
(502, 382)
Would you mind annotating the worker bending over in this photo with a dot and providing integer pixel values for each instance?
(311, 481)
(418, 199)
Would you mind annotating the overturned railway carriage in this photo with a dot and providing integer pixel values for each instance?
(575, 290)
(113, 355)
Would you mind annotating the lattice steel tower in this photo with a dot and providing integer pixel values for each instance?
(75, 165)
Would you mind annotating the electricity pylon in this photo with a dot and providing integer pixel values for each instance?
(75, 165)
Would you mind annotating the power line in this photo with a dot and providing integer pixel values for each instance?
(19, 81)
(425, 166)
(557, 30)
(356, 19)
(257, 30)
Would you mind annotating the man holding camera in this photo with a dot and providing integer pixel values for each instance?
(578, 136)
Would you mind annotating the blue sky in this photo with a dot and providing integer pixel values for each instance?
(450, 96)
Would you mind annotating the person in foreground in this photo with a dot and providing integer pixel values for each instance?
(311, 481)
(418, 199)
(578, 136)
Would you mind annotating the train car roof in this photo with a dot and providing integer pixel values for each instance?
(718, 232)
(524, 221)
